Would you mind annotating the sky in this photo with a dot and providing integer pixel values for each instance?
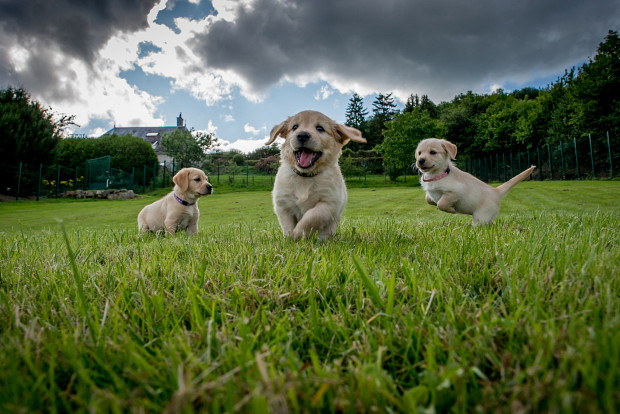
(236, 68)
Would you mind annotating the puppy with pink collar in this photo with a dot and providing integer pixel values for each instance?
(455, 191)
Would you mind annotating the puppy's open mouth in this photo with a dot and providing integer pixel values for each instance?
(306, 158)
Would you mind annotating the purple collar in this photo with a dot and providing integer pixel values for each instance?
(185, 203)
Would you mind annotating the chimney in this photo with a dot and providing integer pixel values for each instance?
(179, 121)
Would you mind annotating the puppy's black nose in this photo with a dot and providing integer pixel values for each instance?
(303, 136)
(209, 189)
(421, 161)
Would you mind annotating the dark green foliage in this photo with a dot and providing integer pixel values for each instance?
(583, 101)
(356, 113)
(28, 132)
(264, 152)
(402, 136)
(239, 159)
(126, 151)
(183, 147)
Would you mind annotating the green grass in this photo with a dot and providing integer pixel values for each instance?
(407, 309)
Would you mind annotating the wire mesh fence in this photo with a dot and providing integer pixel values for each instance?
(578, 159)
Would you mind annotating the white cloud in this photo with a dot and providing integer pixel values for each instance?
(252, 130)
(243, 145)
(229, 118)
(323, 93)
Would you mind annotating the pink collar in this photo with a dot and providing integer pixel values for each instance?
(437, 177)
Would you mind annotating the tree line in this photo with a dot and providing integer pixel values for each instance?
(585, 100)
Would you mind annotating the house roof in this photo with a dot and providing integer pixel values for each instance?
(152, 135)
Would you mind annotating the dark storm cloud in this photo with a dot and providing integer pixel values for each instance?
(79, 28)
(444, 46)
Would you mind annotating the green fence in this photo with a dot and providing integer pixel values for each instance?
(585, 158)
(578, 159)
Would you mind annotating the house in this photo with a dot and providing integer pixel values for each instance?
(152, 135)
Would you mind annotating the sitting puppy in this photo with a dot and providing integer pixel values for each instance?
(177, 210)
(309, 193)
(455, 191)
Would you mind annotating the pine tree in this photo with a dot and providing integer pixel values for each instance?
(356, 113)
(412, 102)
(383, 107)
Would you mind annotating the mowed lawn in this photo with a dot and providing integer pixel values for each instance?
(407, 309)
(255, 208)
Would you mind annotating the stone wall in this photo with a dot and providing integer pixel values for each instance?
(101, 194)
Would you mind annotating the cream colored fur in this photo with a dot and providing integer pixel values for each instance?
(310, 199)
(168, 214)
(459, 192)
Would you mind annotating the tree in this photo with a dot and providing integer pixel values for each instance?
(429, 106)
(264, 152)
(183, 147)
(596, 101)
(356, 113)
(402, 136)
(239, 159)
(383, 107)
(206, 141)
(28, 132)
(412, 102)
(383, 111)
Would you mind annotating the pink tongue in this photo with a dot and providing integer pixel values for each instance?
(305, 159)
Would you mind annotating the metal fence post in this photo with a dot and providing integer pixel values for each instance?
(39, 184)
(154, 174)
(591, 154)
(144, 179)
(576, 157)
(504, 161)
(562, 158)
(528, 161)
(247, 177)
(539, 164)
(87, 180)
(133, 174)
(550, 165)
(611, 166)
(163, 177)
(512, 170)
(218, 174)
(58, 181)
(19, 180)
(497, 166)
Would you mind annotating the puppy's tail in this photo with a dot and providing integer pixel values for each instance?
(504, 188)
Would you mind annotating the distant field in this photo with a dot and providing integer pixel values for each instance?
(407, 309)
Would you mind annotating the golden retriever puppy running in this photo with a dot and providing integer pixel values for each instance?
(455, 191)
(309, 192)
(179, 209)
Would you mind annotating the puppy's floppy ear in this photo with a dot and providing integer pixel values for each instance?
(347, 134)
(277, 131)
(450, 148)
(182, 178)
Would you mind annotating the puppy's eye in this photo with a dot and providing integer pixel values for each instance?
(295, 127)
(197, 179)
(320, 128)
(433, 152)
